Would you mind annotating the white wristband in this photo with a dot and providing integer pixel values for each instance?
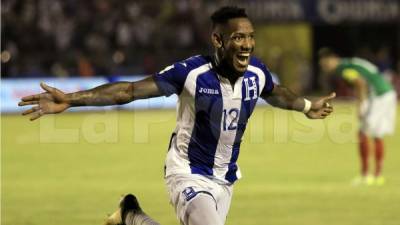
(307, 106)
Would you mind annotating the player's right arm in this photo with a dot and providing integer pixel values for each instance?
(361, 92)
(54, 101)
(361, 89)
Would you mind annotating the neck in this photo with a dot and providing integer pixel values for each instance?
(223, 69)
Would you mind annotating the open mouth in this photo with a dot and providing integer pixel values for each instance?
(243, 59)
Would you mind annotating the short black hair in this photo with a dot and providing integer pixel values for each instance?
(326, 52)
(223, 14)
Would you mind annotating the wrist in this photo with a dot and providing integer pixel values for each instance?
(68, 99)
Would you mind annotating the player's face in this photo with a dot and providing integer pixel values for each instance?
(238, 44)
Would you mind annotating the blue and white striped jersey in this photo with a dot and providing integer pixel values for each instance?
(211, 115)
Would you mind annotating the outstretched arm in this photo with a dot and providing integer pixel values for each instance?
(361, 93)
(117, 93)
(282, 97)
(54, 100)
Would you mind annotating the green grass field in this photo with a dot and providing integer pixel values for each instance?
(72, 168)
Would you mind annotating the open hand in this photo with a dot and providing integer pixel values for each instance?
(50, 102)
(321, 107)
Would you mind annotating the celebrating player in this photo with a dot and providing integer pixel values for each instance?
(376, 106)
(217, 95)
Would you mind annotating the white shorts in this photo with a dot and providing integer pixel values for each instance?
(380, 119)
(183, 188)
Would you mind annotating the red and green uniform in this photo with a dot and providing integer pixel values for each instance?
(352, 68)
(380, 115)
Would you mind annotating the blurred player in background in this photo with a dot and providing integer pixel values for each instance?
(217, 95)
(376, 107)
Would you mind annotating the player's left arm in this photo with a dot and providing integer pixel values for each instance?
(284, 98)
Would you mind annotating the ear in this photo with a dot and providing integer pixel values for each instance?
(216, 40)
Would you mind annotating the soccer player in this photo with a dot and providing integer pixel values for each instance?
(217, 95)
(376, 107)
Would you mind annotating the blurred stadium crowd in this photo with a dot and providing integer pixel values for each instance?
(84, 38)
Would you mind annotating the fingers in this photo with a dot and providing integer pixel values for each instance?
(326, 112)
(320, 114)
(46, 87)
(37, 112)
(31, 98)
(328, 109)
(323, 115)
(326, 100)
(37, 96)
(36, 115)
(330, 97)
(28, 103)
(31, 110)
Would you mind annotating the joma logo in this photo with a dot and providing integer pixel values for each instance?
(208, 91)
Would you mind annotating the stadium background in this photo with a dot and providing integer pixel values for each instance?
(71, 168)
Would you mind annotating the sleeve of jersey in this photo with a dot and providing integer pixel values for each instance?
(269, 84)
(350, 75)
(171, 79)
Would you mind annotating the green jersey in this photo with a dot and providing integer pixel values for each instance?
(352, 68)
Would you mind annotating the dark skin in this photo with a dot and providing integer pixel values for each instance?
(233, 42)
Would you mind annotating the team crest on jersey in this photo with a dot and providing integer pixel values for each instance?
(251, 88)
(208, 91)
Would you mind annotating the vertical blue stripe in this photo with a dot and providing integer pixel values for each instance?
(207, 126)
(246, 109)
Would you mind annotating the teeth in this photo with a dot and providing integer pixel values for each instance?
(244, 54)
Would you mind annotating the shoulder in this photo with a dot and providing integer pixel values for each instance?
(172, 78)
(254, 61)
(264, 75)
(365, 65)
(184, 67)
(348, 70)
(257, 65)
(194, 62)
